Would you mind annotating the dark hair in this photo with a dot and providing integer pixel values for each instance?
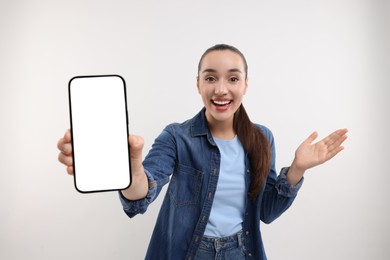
(253, 140)
(225, 47)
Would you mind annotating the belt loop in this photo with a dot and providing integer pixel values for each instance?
(239, 238)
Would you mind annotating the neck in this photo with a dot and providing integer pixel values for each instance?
(222, 129)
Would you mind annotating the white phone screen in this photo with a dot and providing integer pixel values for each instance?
(99, 128)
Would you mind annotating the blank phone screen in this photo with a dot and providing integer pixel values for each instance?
(99, 128)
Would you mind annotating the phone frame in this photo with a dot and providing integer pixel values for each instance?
(71, 130)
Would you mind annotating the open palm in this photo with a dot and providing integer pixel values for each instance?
(309, 155)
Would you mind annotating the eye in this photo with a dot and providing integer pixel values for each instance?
(234, 79)
(210, 79)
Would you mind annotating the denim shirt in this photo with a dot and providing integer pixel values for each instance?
(187, 155)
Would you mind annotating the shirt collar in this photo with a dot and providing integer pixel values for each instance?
(199, 124)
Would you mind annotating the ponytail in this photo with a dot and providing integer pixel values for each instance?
(257, 147)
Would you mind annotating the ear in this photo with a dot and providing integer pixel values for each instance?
(246, 85)
(197, 84)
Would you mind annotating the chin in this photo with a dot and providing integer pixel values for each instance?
(222, 118)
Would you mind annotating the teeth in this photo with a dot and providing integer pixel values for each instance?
(221, 103)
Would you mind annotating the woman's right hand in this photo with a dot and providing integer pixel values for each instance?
(65, 155)
(139, 186)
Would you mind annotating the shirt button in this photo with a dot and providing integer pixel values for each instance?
(247, 233)
(249, 254)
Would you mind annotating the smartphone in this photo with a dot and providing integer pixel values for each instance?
(99, 129)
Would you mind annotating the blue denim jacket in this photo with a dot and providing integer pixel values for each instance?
(188, 155)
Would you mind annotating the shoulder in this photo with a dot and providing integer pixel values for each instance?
(176, 130)
(195, 126)
(172, 127)
(265, 131)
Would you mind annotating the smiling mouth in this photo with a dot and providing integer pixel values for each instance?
(221, 103)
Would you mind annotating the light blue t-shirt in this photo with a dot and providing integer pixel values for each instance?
(227, 212)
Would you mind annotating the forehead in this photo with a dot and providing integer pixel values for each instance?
(222, 60)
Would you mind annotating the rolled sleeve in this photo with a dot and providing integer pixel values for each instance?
(134, 207)
(284, 188)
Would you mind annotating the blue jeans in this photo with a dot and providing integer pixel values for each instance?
(225, 248)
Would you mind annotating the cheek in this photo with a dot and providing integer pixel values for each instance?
(203, 92)
(203, 95)
(240, 93)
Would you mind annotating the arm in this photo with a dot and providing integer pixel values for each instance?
(280, 191)
(139, 187)
(309, 155)
(156, 168)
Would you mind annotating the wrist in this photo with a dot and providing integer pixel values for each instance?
(296, 169)
(294, 174)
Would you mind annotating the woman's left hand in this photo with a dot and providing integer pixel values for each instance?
(309, 155)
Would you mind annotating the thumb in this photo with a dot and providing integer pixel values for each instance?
(136, 145)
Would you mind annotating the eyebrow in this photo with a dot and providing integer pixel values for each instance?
(214, 70)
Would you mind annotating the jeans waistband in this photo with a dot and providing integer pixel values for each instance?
(235, 240)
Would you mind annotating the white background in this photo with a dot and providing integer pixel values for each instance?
(313, 65)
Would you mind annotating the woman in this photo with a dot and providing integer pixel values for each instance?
(222, 171)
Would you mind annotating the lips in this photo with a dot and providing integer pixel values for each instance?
(221, 102)
(221, 105)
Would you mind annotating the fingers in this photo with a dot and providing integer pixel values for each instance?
(64, 144)
(334, 141)
(65, 155)
(65, 159)
(60, 143)
(67, 136)
(66, 149)
(334, 152)
(312, 137)
(335, 148)
(70, 170)
(335, 136)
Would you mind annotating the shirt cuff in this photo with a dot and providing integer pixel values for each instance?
(284, 187)
(134, 207)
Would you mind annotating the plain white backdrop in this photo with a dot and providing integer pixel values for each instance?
(313, 65)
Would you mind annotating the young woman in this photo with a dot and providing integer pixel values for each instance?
(221, 169)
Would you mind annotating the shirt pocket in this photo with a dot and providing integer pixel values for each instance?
(185, 186)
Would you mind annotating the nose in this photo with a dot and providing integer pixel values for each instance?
(220, 89)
